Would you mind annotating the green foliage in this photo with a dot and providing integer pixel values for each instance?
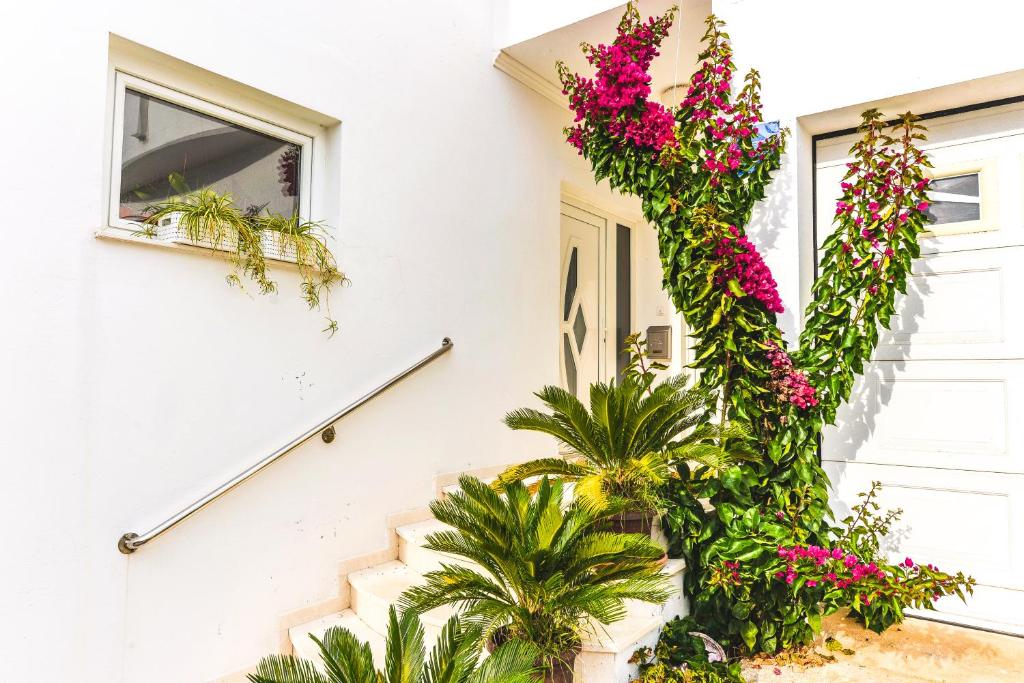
(207, 217)
(629, 438)
(681, 656)
(882, 604)
(455, 658)
(867, 258)
(212, 219)
(541, 571)
(700, 206)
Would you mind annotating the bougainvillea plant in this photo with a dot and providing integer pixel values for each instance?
(698, 170)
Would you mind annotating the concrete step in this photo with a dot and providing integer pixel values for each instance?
(608, 649)
(303, 646)
(376, 589)
(411, 550)
(674, 570)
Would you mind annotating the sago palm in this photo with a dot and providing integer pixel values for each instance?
(627, 441)
(454, 659)
(545, 573)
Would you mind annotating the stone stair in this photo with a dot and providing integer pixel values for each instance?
(606, 650)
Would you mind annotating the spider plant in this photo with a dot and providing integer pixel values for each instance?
(546, 574)
(623, 449)
(208, 217)
(454, 659)
(212, 218)
(317, 266)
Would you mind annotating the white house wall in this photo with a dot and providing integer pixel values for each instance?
(135, 379)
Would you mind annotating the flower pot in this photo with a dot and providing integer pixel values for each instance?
(640, 522)
(168, 229)
(560, 669)
(632, 522)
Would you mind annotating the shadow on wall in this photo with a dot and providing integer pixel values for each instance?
(857, 418)
(768, 220)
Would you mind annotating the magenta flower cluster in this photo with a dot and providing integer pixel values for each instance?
(789, 383)
(862, 208)
(843, 570)
(743, 263)
(621, 86)
(729, 127)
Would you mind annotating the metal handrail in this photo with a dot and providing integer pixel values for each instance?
(130, 542)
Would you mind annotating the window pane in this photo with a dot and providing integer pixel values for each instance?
(168, 149)
(952, 212)
(958, 184)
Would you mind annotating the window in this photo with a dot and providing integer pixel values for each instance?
(955, 199)
(166, 143)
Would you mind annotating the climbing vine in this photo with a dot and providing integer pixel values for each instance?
(699, 169)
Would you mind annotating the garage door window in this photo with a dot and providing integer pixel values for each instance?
(955, 199)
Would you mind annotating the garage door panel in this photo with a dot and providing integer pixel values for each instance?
(989, 608)
(941, 513)
(958, 306)
(939, 414)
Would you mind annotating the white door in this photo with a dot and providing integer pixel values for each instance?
(582, 300)
(938, 417)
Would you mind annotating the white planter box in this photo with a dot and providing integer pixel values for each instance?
(274, 248)
(168, 229)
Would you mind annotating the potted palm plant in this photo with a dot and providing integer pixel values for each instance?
(623, 448)
(546, 572)
(454, 659)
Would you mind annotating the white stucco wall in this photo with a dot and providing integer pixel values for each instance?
(134, 379)
(815, 57)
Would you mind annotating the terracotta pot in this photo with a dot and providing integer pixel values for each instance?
(632, 522)
(635, 522)
(560, 670)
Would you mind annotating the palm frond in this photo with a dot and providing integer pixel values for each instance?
(553, 467)
(346, 659)
(512, 662)
(403, 659)
(454, 655)
(286, 669)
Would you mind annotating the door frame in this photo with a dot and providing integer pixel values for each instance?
(574, 206)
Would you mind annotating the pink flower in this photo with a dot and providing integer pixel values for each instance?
(811, 583)
(923, 206)
(909, 562)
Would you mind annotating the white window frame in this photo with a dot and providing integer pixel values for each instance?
(124, 81)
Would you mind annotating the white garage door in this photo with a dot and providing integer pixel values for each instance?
(938, 417)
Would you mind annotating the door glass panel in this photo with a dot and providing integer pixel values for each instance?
(570, 284)
(579, 329)
(623, 296)
(570, 365)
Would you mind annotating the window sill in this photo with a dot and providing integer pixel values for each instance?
(124, 235)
